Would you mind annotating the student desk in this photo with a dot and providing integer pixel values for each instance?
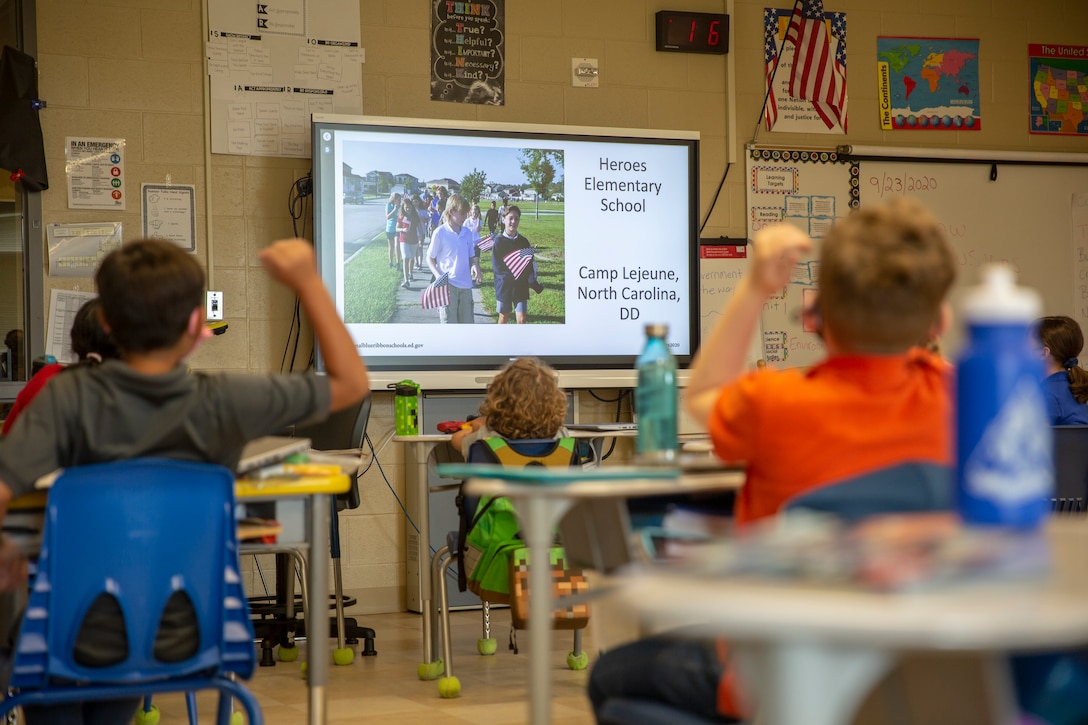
(812, 653)
(542, 496)
(316, 493)
(421, 447)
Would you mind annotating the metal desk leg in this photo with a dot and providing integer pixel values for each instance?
(425, 589)
(317, 629)
(809, 682)
(538, 518)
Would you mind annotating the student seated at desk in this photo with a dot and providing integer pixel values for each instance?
(90, 343)
(876, 401)
(148, 405)
(1066, 382)
(523, 401)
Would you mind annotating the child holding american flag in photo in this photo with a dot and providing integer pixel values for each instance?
(515, 269)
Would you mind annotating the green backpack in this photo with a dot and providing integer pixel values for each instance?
(490, 536)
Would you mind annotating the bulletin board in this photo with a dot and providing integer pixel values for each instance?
(809, 188)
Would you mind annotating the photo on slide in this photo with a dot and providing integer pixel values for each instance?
(529, 269)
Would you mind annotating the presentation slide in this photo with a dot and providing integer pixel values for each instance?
(612, 237)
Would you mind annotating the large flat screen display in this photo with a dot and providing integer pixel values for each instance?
(610, 216)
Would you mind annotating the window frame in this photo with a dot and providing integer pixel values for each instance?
(30, 227)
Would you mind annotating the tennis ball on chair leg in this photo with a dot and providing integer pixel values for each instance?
(577, 661)
(344, 656)
(487, 646)
(147, 717)
(288, 654)
(237, 718)
(430, 670)
(449, 687)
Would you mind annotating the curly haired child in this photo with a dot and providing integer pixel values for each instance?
(523, 401)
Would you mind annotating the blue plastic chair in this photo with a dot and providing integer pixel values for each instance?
(139, 535)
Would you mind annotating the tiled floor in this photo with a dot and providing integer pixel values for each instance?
(385, 688)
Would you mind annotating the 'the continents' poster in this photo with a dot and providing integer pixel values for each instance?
(928, 83)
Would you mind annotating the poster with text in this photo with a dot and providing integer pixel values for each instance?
(928, 83)
(1058, 96)
(95, 169)
(272, 65)
(820, 64)
(468, 52)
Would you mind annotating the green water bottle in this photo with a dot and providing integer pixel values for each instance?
(406, 407)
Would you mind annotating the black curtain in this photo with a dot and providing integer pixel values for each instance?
(21, 145)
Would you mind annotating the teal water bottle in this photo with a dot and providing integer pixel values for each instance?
(656, 398)
(406, 407)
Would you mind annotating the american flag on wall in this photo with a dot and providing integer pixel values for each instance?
(818, 74)
(486, 243)
(437, 293)
(519, 259)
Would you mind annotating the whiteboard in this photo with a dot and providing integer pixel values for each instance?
(809, 188)
(718, 280)
(1022, 217)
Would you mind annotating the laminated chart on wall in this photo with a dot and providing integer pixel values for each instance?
(810, 189)
(271, 65)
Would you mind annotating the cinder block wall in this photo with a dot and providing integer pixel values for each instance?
(133, 69)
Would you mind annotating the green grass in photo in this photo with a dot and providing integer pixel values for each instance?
(370, 286)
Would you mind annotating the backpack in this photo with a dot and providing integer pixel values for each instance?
(490, 533)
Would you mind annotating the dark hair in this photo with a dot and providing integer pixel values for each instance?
(148, 290)
(1063, 337)
(90, 342)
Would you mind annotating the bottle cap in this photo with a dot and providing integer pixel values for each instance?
(999, 299)
(657, 329)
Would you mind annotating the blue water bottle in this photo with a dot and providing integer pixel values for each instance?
(1004, 444)
(656, 398)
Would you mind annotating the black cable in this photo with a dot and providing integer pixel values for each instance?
(299, 209)
(716, 194)
(618, 397)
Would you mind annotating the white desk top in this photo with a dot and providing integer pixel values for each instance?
(984, 617)
(601, 482)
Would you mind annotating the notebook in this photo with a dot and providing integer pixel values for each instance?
(268, 450)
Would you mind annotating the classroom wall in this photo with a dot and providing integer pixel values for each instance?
(133, 69)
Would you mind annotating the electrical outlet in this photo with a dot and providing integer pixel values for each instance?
(215, 306)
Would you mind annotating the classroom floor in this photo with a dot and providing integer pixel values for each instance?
(385, 688)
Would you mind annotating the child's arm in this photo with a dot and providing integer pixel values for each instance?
(721, 357)
(292, 262)
(470, 427)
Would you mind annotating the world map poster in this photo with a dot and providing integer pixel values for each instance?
(1059, 89)
(928, 83)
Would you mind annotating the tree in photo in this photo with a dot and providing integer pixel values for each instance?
(472, 185)
(539, 166)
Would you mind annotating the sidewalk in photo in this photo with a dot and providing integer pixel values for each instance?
(409, 309)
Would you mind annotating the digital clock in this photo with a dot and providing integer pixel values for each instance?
(680, 32)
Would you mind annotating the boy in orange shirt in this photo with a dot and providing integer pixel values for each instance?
(876, 401)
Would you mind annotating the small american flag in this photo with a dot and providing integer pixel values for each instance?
(437, 293)
(819, 73)
(486, 243)
(519, 259)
